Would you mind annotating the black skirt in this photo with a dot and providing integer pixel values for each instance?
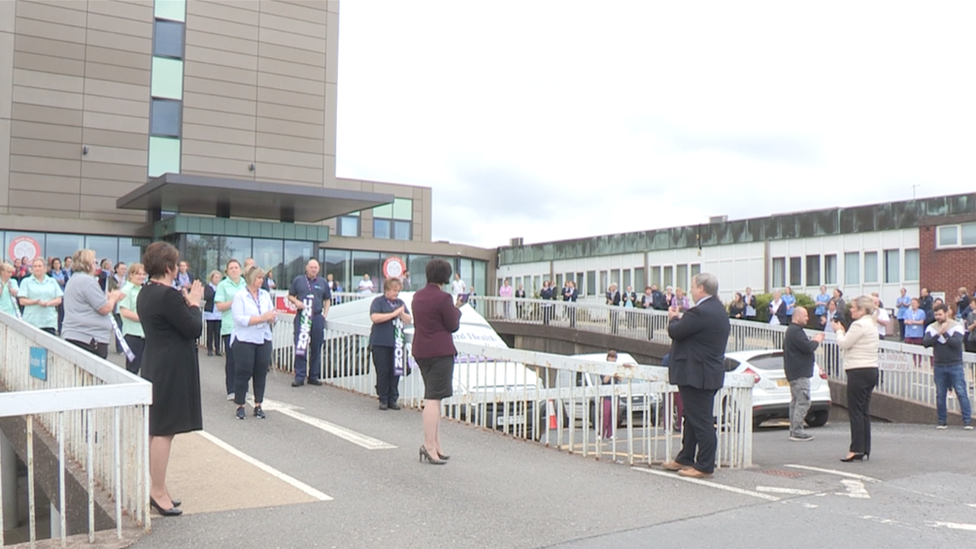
(438, 373)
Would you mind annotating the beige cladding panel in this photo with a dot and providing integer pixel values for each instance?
(45, 149)
(113, 73)
(293, 11)
(296, 174)
(292, 55)
(234, 12)
(219, 135)
(108, 56)
(294, 114)
(39, 200)
(104, 207)
(116, 90)
(47, 115)
(53, 31)
(210, 41)
(119, 25)
(44, 183)
(49, 132)
(47, 98)
(287, 83)
(45, 166)
(104, 121)
(46, 63)
(46, 46)
(288, 158)
(114, 172)
(215, 102)
(52, 13)
(284, 127)
(111, 40)
(331, 119)
(220, 167)
(8, 14)
(332, 49)
(290, 99)
(49, 81)
(6, 73)
(298, 27)
(212, 88)
(284, 38)
(139, 10)
(117, 155)
(243, 153)
(124, 107)
(194, 67)
(220, 119)
(5, 126)
(101, 187)
(122, 140)
(224, 58)
(289, 143)
(294, 70)
(197, 23)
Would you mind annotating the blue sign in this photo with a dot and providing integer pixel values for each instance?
(38, 363)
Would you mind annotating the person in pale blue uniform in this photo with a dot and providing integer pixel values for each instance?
(904, 303)
(790, 300)
(40, 296)
(8, 290)
(822, 300)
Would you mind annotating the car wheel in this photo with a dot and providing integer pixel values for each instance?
(817, 419)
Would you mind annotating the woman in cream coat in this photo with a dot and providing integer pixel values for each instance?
(860, 346)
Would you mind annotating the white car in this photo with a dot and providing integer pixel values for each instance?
(771, 393)
(638, 405)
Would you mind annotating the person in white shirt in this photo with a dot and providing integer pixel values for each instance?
(253, 314)
(365, 285)
(777, 310)
(882, 316)
(458, 286)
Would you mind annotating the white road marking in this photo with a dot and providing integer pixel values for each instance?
(354, 437)
(777, 490)
(855, 489)
(973, 505)
(710, 484)
(833, 472)
(955, 526)
(266, 468)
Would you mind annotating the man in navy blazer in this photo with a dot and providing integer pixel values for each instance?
(697, 367)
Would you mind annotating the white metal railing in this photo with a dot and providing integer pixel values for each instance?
(519, 393)
(97, 413)
(906, 370)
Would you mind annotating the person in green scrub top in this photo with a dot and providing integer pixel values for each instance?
(132, 330)
(8, 290)
(40, 296)
(223, 299)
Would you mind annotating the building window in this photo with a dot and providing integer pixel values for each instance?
(681, 279)
(381, 228)
(591, 283)
(830, 269)
(165, 118)
(167, 78)
(656, 277)
(402, 230)
(348, 225)
(852, 268)
(174, 10)
(639, 280)
(796, 271)
(164, 156)
(168, 39)
(891, 267)
(668, 276)
(779, 272)
(394, 220)
(950, 236)
(911, 265)
(870, 267)
(695, 269)
(813, 270)
(968, 234)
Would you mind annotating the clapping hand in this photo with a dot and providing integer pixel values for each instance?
(270, 317)
(672, 313)
(194, 296)
(819, 337)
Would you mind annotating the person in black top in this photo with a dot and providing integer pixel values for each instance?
(613, 299)
(211, 314)
(389, 314)
(546, 294)
(697, 366)
(798, 364)
(519, 294)
(309, 293)
(570, 295)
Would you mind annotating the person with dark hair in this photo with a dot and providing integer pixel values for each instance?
(58, 273)
(309, 293)
(926, 303)
(104, 272)
(435, 320)
(841, 306)
(970, 325)
(546, 294)
(68, 265)
(945, 338)
(115, 282)
(254, 313)
(135, 336)
(389, 314)
(223, 300)
(87, 306)
(519, 295)
(697, 366)
(172, 321)
(210, 313)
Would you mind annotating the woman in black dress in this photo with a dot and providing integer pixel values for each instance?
(172, 322)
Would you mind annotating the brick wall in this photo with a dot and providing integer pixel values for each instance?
(945, 270)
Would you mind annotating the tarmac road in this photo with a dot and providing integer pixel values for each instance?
(918, 489)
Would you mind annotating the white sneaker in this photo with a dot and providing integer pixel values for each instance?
(230, 396)
(941, 427)
(968, 428)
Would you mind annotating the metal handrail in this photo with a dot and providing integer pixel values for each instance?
(91, 408)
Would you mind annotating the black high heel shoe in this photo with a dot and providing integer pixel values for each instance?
(424, 454)
(855, 457)
(176, 502)
(172, 512)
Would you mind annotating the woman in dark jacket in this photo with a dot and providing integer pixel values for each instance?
(435, 319)
(737, 309)
(211, 314)
(172, 321)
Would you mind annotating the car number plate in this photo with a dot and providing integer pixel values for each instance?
(783, 382)
(509, 420)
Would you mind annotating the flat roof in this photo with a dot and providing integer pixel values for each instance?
(222, 197)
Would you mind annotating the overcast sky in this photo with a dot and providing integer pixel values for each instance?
(562, 119)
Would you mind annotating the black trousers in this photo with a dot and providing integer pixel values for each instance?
(698, 433)
(310, 365)
(136, 345)
(213, 335)
(860, 384)
(93, 347)
(387, 384)
(252, 362)
(230, 369)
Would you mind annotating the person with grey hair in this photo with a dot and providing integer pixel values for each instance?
(697, 366)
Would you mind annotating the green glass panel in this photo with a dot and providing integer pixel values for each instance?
(403, 209)
(167, 78)
(164, 156)
(174, 10)
(385, 211)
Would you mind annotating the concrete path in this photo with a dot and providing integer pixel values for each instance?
(328, 469)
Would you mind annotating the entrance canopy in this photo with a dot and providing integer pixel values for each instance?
(221, 197)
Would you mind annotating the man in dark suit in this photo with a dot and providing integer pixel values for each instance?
(613, 299)
(697, 367)
(570, 295)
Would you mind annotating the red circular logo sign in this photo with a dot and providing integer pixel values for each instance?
(24, 246)
(394, 267)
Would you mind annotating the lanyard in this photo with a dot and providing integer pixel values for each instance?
(257, 302)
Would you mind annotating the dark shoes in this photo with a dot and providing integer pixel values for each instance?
(172, 512)
(383, 406)
(259, 413)
(424, 454)
(313, 381)
(209, 353)
(241, 414)
(218, 353)
(297, 383)
(394, 406)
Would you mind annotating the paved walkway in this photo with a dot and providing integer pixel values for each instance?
(327, 469)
